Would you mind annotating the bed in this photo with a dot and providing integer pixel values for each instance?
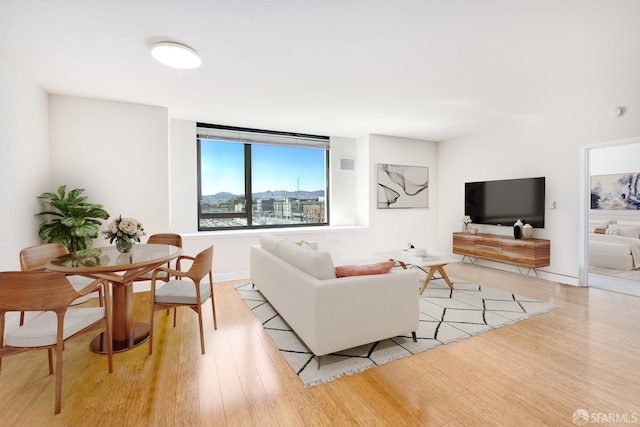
(615, 246)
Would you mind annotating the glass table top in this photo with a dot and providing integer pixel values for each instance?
(108, 258)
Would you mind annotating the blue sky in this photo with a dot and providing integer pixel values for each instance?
(274, 168)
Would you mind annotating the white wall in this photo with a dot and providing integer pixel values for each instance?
(117, 152)
(24, 162)
(121, 153)
(548, 145)
(399, 226)
(357, 229)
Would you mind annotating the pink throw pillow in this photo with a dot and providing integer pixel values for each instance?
(364, 270)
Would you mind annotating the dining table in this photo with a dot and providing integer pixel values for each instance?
(120, 269)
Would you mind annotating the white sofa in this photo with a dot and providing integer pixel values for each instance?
(328, 313)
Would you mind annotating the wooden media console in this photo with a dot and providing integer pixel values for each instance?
(530, 253)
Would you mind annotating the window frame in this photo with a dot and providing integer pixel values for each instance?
(246, 137)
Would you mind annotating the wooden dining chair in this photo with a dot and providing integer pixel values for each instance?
(51, 294)
(35, 257)
(187, 289)
(162, 239)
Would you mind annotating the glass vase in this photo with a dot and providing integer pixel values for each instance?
(124, 245)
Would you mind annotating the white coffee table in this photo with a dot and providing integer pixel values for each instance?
(432, 262)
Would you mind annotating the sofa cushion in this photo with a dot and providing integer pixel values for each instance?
(270, 242)
(316, 263)
(364, 270)
(310, 245)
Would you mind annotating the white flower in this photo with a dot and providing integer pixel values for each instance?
(466, 219)
(124, 228)
(128, 225)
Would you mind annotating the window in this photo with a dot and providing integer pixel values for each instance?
(285, 174)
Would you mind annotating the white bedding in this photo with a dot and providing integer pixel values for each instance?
(615, 246)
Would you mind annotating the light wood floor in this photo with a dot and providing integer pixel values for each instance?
(584, 354)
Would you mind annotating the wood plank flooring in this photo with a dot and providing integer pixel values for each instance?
(584, 354)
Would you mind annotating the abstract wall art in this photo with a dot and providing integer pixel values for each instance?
(401, 186)
(615, 192)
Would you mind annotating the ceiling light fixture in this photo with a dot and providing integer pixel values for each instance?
(176, 55)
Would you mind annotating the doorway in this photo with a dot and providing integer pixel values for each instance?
(603, 160)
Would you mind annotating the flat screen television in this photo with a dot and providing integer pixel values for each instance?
(503, 202)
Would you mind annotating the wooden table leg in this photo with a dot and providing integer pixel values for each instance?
(432, 270)
(444, 276)
(126, 333)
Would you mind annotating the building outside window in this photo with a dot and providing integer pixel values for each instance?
(285, 174)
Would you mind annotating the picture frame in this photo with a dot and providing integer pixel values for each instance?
(402, 186)
(615, 191)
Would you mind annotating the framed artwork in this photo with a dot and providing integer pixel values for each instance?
(402, 187)
(616, 191)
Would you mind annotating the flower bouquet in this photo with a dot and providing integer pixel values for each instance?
(466, 220)
(125, 231)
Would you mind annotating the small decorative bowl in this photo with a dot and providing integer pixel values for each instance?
(473, 230)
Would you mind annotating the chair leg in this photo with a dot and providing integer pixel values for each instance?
(50, 360)
(213, 309)
(150, 339)
(109, 332)
(201, 328)
(58, 377)
(213, 304)
(175, 315)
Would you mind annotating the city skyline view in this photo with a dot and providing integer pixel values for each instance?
(274, 168)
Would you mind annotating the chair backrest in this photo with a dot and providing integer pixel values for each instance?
(35, 291)
(201, 265)
(35, 257)
(166, 239)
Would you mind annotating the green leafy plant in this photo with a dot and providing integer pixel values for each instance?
(70, 220)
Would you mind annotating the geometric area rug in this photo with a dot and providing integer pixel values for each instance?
(445, 316)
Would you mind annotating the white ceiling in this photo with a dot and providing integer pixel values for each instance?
(427, 69)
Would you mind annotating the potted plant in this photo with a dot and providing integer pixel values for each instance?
(70, 220)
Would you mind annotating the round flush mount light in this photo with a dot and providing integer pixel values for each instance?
(176, 55)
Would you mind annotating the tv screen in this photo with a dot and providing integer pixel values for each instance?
(503, 202)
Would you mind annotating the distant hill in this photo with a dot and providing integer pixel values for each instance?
(276, 195)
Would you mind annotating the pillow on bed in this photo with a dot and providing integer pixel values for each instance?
(598, 223)
(611, 230)
(625, 230)
(632, 223)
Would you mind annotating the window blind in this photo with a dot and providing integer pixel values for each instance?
(260, 136)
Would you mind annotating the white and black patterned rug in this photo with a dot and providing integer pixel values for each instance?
(445, 316)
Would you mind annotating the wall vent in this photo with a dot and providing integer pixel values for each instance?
(347, 164)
